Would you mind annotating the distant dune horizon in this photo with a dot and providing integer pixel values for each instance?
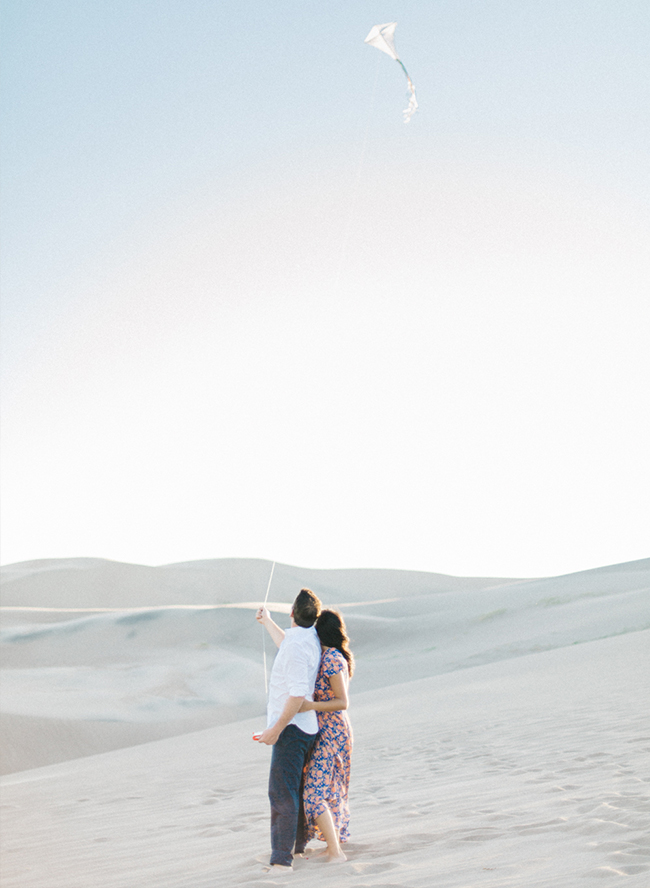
(99, 654)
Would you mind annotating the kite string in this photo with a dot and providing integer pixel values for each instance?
(355, 194)
(266, 597)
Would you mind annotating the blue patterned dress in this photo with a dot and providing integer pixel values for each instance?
(327, 774)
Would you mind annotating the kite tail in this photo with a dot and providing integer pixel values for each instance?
(413, 102)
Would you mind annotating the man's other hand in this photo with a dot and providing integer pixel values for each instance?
(268, 736)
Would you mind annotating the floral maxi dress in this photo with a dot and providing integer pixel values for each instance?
(327, 774)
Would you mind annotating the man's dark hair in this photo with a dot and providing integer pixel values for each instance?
(306, 608)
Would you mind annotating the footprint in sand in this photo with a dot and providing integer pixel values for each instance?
(210, 832)
(367, 869)
(609, 871)
(217, 795)
(531, 829)
(383, 885)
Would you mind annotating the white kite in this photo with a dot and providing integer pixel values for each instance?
(382, 36)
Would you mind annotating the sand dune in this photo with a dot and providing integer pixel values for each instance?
(501, 726)
(186, 652)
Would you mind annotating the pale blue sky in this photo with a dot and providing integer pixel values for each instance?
(248, 312)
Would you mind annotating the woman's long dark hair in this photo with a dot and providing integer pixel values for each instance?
(331, 631)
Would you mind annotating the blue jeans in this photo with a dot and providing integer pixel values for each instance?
(288, 760)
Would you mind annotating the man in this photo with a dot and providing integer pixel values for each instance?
(290, 732)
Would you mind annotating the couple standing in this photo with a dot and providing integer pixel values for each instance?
(309, 730)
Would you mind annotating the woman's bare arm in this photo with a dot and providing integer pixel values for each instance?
(339, 701)
(264, 617)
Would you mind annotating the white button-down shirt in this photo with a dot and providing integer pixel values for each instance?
(294, 675)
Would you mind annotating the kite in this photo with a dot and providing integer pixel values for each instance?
(382, 36)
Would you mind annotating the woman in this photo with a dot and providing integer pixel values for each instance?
(327, 774)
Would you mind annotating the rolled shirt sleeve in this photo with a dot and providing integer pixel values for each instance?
(299, 673)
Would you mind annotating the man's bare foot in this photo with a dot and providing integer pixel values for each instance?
(278, 869)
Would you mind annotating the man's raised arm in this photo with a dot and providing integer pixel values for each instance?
(263, 616)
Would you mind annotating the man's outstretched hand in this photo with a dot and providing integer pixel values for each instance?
(262, 615)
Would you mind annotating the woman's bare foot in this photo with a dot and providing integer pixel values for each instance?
(328, 856)
(333, 853)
